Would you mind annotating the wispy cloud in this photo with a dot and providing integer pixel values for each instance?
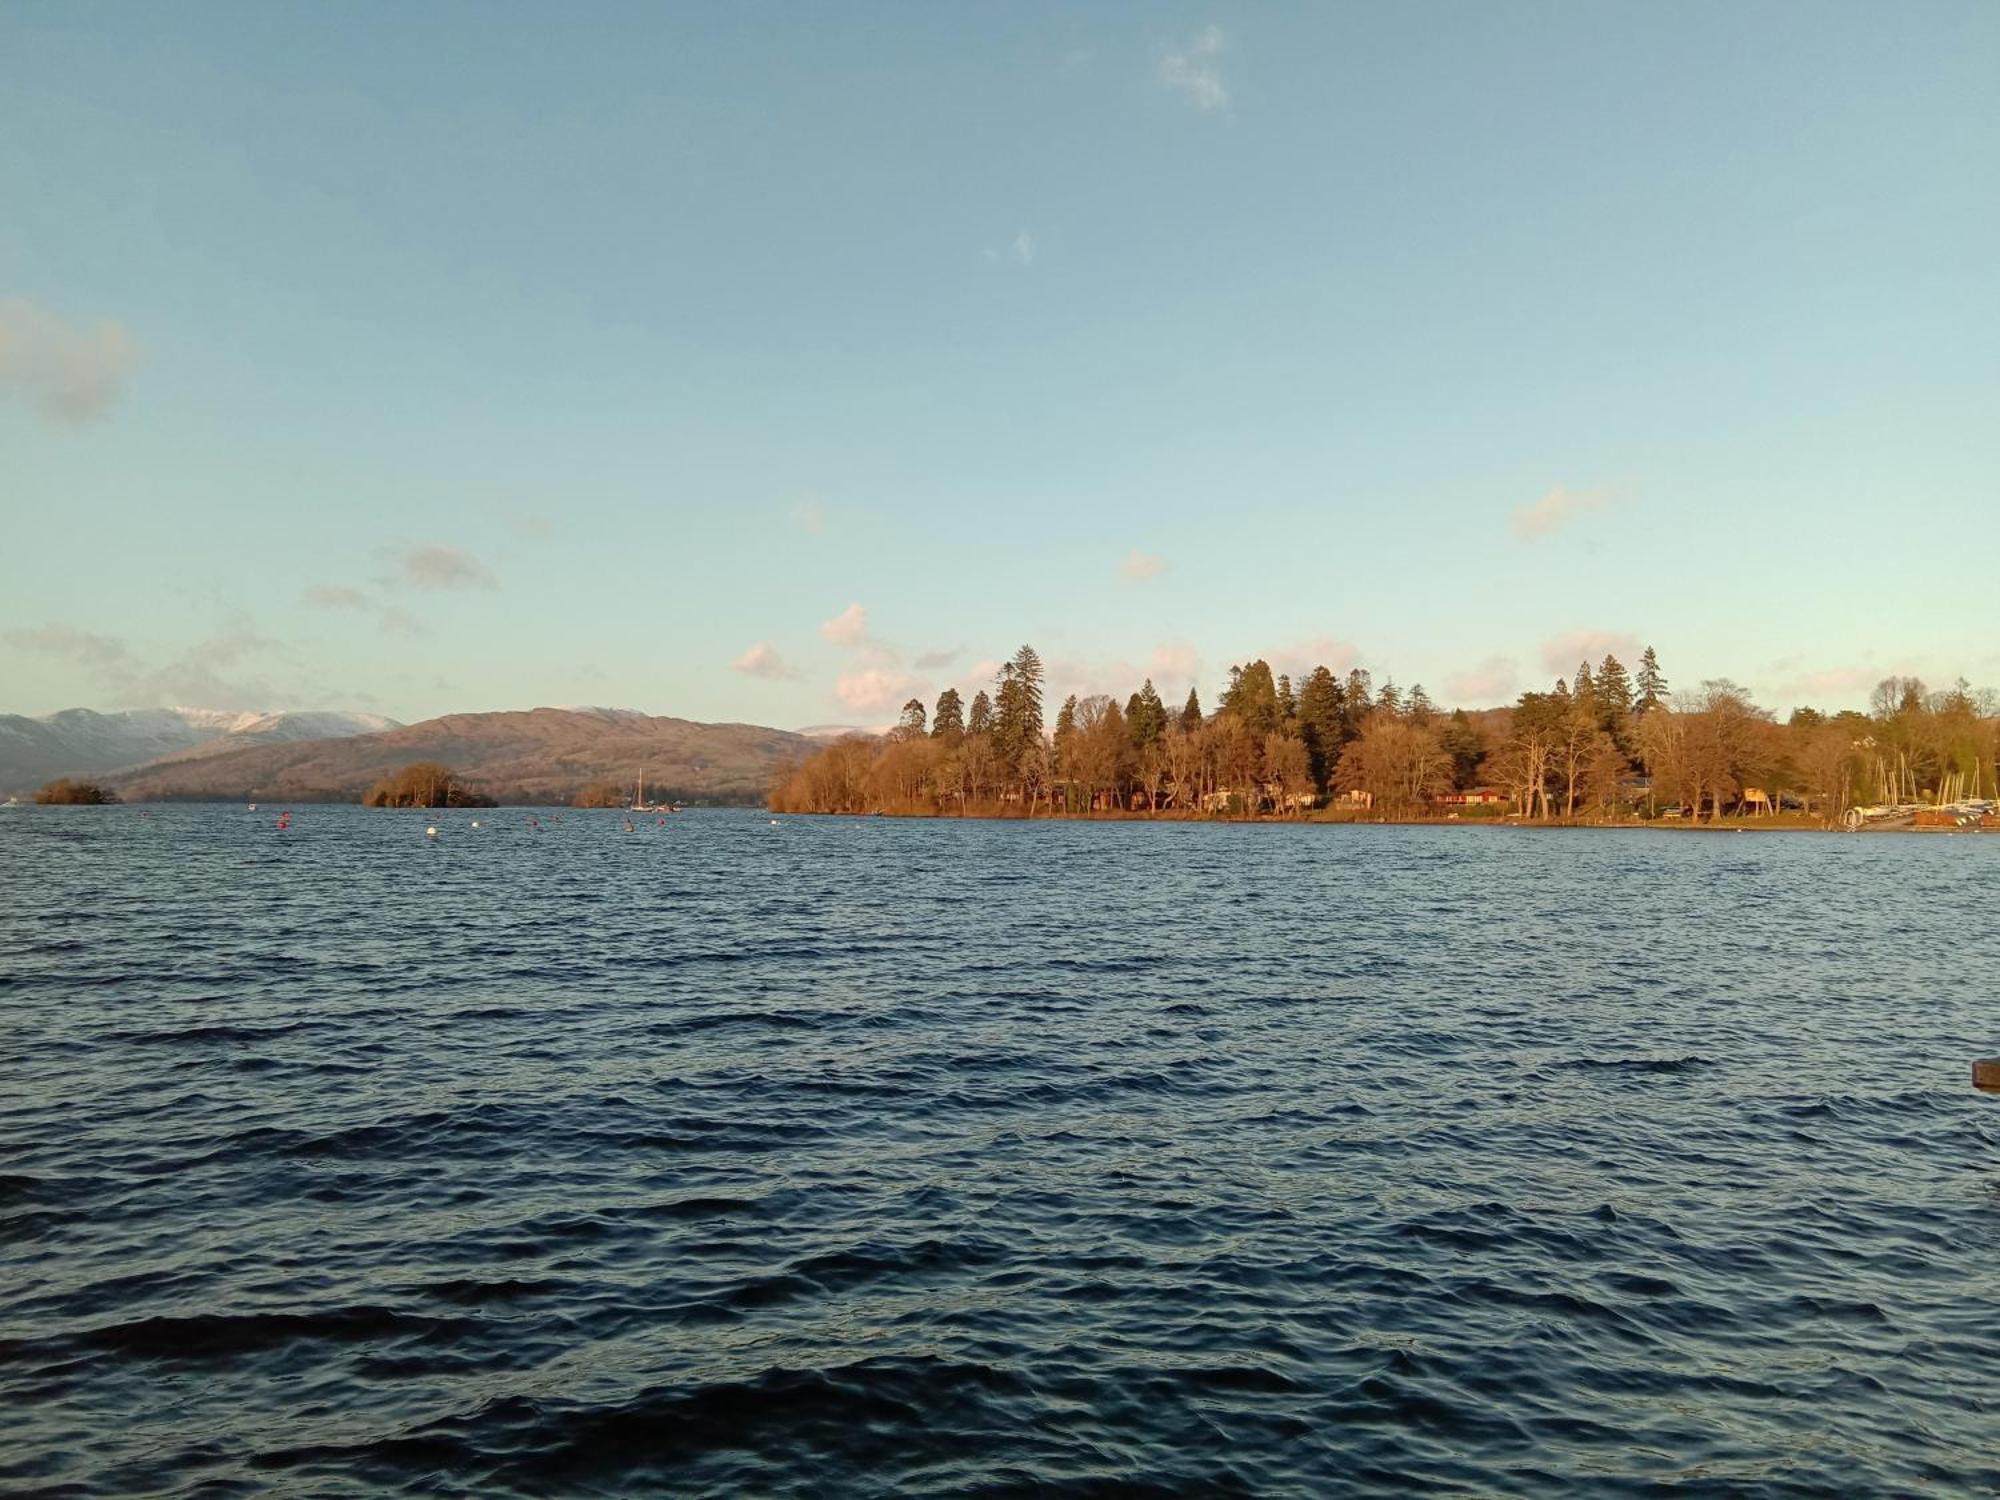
(439, 566)
(68, 374)
(1020, 250)
(937, 661)
(809, 515)
(874, 690)
(763, 660)
(85, 647)
(848, 628)
(205, 675)
(1194, 70)
(1490, 682)
(1561, 654)
(528, 524)
(1846, 682)
(1138, 566)
(1556, 509)
(335, 596)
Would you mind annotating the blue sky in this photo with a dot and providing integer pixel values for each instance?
(775, 363)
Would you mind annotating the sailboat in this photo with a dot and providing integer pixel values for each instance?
(641, 805)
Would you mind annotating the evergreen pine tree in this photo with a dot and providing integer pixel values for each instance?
(1288, 706)
(1191, 712)
(1652, 684)
(1360, 701)
(1614, 690)
(980, 720)
(1010, 718)
(1028, 672)
(1390, 699)
(1420, 709)
(1614, 702)
(1066, 719)
(1321, 725)
(1252, 698)
(1583, 691)
(1462, 743)
(911, 725)
(1146, 715)
(1065, 738)
(948, 720)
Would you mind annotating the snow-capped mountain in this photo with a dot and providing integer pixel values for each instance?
(83, 742)
(841, 731)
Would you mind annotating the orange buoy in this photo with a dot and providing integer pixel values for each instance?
(1986, 1074)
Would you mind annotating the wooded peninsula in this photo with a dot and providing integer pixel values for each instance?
(1607, 745)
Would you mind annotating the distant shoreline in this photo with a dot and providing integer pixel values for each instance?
(1780, 823)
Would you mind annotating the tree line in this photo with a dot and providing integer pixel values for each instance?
(1606, 744)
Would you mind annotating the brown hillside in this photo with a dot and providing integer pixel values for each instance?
(540, 755)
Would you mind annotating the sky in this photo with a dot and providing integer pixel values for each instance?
(777, 363)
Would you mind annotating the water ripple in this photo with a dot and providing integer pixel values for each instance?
(866, 1157)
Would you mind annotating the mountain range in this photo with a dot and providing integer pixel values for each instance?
(533, 755)
(82, 742)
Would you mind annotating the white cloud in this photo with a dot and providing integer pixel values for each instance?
(874, 690)
(67, 374)
(1490, 682)
(1138, 566)
(439, 566)
(1175, 662)
(848, 628)
(1562, 653)
(1555, 510)
(1194, 70)
(762, 660)
(1791, 679)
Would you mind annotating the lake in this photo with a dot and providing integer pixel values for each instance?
(874, 1156)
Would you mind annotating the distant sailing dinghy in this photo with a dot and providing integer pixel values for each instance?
(641, 805)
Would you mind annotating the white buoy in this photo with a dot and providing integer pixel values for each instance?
(431, 832)
(774, 822)
(475, 822)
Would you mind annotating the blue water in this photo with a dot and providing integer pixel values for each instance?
(860, 1157)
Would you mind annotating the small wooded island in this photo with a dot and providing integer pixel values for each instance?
(1605, 746)
(70, 793)
(425, 784)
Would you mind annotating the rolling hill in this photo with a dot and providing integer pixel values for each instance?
(533, 755)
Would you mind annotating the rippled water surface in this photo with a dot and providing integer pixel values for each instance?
(870, 1157)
